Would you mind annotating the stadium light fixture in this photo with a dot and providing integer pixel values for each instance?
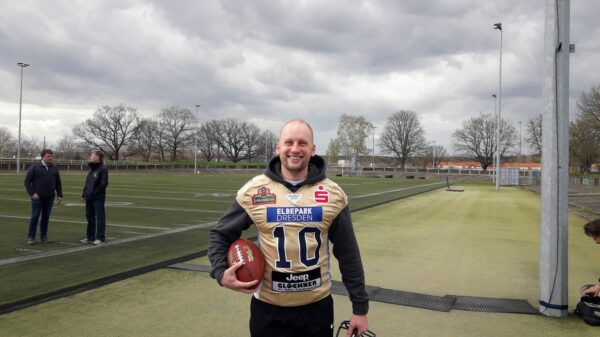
(22, 65)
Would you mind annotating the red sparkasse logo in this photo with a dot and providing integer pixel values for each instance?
(321, 196)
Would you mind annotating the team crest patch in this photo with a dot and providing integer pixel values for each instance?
(321, 196)
(264, 196)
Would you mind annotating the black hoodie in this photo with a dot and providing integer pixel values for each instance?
(96, 181)
(341, 234)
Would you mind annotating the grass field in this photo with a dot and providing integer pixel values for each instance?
(151, 218)
(476, 243)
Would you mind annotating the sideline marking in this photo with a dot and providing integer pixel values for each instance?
(108, 203)
(85, 222)
(396, 190)
(29, 250)
(110, 243)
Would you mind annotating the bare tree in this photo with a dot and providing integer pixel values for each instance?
(477, 138)
(437, 153)
(145, 140)
(266, 146)
(589, 107)
(67, 148)
(253, 140)
(230, 137)
(584, 145)
(333, 151)
(352, 134)
(534, 133)
(7, 143)
(110, 130)
(208, 143)
(403, 136)
(30, 147)
(177, 126)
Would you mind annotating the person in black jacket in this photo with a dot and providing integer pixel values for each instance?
(296, 211)
(94, 195)
(42, 183)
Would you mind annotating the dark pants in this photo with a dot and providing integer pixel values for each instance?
(43, 207)
(311, 320)
(96, 220)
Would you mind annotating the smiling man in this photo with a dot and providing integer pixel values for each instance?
(296, 210)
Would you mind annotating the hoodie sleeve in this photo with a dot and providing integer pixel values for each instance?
(228, 229)
(345, 249)
(103, 183)
(59, 192)
(29, 181)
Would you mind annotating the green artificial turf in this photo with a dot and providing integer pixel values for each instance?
(477, 243)
(151, 218)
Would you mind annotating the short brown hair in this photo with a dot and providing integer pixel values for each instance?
(592, 228)
(99, 154)
(44, 151)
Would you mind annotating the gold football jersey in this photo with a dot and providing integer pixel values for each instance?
(293, 237)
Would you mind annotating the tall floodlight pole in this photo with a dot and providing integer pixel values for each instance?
(22, 65)
(519, 140)
(498, 145)
(495, 147)
(373, 156)
(196, 143)
(432, 154)
(554, 283)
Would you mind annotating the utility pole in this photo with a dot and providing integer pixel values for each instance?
(22, 65)
(432, 155)
(196, 143)
(498, 141)
(555, 162)
(373, 156)
(519, 140)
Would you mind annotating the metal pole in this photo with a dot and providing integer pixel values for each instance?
(555, 163)
(519, 140)
(498, 141)
(373, 156)
(22, 65)
(196, 144)
(433, 155)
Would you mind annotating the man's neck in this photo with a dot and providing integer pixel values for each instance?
(293, 176)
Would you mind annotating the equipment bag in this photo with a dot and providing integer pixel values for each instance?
(588, 307)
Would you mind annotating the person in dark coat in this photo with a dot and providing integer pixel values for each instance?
(94, 195)
(42, 183)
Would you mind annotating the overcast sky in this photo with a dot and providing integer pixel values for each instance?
(269, 61)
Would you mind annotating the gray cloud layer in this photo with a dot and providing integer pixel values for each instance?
(270, 61)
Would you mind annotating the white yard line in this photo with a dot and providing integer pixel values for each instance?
(108, 205)
(84, 222)
(111, 242)
(396, 190)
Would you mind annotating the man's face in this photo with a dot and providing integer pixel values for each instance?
(295, 147)
(48, 157)
(94, 158)
(596, 239)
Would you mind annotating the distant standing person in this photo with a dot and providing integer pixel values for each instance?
(94, 195)
(43, 184)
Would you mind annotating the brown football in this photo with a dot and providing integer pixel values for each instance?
(254, 262)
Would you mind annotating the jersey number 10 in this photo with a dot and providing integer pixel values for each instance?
(283, 262)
